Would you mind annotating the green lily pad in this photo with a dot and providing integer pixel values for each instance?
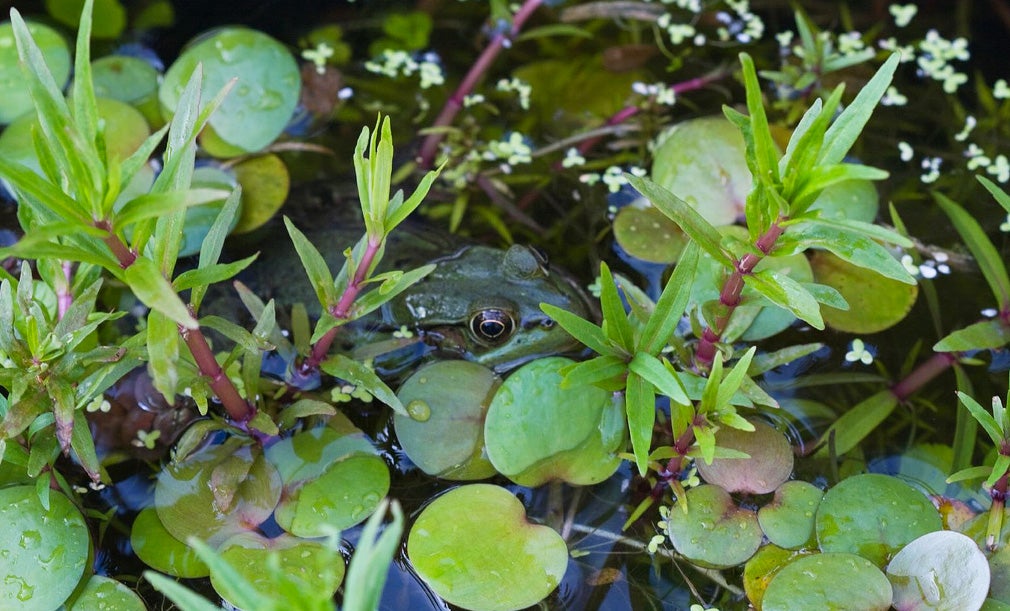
(770, 462)
(999, 571)
(713, 532)
(44, 551)
(108, 16)
(702, 162)
(853, 200)
(161, 551)
(125, 131)
(941, 570)
(874, 516)
(836, 581)
(13, 87)
(265, 182)
(875, 302)
(763, 567)
(788, 521)
(216, 493)
(105, 594)
(449, 442)
(332, 479)
(302, 563)
(536, 431)
(647, 234)
(262, 101)
(131, 80)
(474, 547)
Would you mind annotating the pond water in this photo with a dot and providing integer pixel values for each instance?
(536, 146)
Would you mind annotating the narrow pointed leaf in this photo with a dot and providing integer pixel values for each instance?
(652, 370)
(314, 264)
(211, 274)
(855, 424)
(1000, 195)
(640, 403)
(988, 258)
(765, 155)
(388, 290)
(983, 417)
(847, 127)
(856, 248)
(786, 293)
(606, 371)
(984, 335)
(163, 352)
(154, 205)
(579, 328)
(615, 319)
(687, 218)
(157, 293)
(672, 302)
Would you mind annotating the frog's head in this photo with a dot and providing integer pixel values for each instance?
(484, 303)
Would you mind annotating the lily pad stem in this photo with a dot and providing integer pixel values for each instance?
(501, 39)
(729, 297)
(342, 308)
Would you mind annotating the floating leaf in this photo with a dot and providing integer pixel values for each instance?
(45, 550)
(260, 105)
(763, 567)
(474, 547)
(647, 234)
(788, 521)
(940, 570)
(13, 90)
(444, 433)
(876, 530)
(713, 532)
(160, 550)
(855, 200)
(265, 181)
(875, 302)
(701, 161)
(825, 581)
(770, 463)
(536, 431)
(104, 593)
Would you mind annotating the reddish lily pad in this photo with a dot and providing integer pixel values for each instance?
(474, 547)
(536, 431)
(788, 521)
(874, 516)
(216, 493)
(941, 570)
(161, 551)
(44, 550)
(702, 162)
(875, 302)
(713, 532)
(836, 581)
(769, 465)
(449, 441)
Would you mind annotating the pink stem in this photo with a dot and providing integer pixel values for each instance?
(455, 102)
(65, 297)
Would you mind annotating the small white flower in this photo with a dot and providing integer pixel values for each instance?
(969, 124)
(572, 158)
(1000, 90)
(858, 351)
(893, 97)
(905, 151)
(909, 265)
(318, 56)
(1000, 168)
(903, 13)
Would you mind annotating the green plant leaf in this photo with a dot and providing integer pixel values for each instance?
(35, 187)
(672, 302)
(389, 289)
(846, 128)
(687, 218)
(987, 334)
(970, 473)
(998, 194)
(156, 292)
(579, 328)
(213, 242)
(763, 147)
(640, 403)
(656, 373)
(786, 293)
(314, 264)
(359, 375)
(397, 214)
(154, 205)
(731, 381)
(211, 274)
(366, 573)
(855, 248)
(821, 177)
(606, 371)
(989, 260)
(163, 352)
(615, 319)
(988, 422)
(857, 423)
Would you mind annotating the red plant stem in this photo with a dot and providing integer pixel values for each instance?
(342, 308)
(676, 463)
(995, 523)
(929, 369)
(480, 67)
(238, 408)
(729, 297)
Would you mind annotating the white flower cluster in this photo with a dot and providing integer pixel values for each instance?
(520, 87)
(935, 56)
(394, 63)
(660, 91)
(744, 27)
(613, 177)
(513, 149)
(678, 32)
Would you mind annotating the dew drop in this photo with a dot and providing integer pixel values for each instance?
(418, 410)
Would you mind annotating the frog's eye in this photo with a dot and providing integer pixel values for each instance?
(492, 325)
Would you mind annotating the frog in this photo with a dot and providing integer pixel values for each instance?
(480, 303)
